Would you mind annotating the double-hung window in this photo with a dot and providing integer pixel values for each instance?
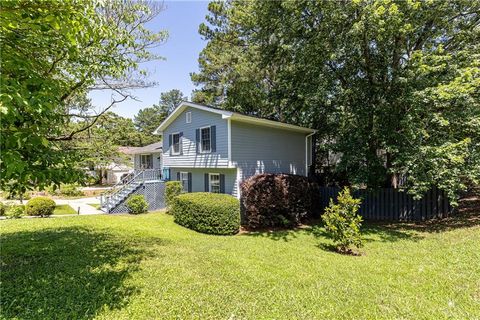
(184, 180)
(214, 183)
(176, 143)
(146, 161)
(205, 139)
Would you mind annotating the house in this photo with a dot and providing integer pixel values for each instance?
(213, 150)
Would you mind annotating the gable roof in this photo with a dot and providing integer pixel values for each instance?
(154, 147)
(229, 115)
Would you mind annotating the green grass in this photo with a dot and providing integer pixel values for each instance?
(147, 267)
(95, 205)
(64, 209)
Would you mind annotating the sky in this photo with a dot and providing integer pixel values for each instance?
(181, 19)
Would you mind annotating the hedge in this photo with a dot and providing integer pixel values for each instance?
(137, 204)
(206, 212)
(172, 189)
(278, 200)
(40, 206)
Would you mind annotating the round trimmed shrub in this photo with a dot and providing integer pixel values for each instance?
(15, 211)
(40, 206)
(137, 204)
(205, 212)
(278, 200)
(172, 189)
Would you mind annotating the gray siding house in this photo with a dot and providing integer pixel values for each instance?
(214, 150)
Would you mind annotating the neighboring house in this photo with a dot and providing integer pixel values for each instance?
(213, 150)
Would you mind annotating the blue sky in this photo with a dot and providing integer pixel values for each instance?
(181, 19)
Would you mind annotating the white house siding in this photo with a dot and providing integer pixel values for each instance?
(260, 149)
(189, 157)
(198, 178)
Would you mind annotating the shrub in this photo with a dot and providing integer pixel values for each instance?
(15, 211)
(206, 212)
(278, 200)
(70, 190)
(342, 222)
(172, 189)
(137, 204)
(40, 206)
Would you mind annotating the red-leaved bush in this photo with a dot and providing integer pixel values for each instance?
(277, 200)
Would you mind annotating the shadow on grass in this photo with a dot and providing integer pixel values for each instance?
(380, 231)
(67, 273)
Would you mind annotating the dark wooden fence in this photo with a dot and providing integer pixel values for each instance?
(394, 205)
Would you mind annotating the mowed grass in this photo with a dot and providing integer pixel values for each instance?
(64, 209)
(147, 267)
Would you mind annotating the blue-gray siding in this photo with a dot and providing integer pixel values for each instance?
(157, 160)
(198, 178)
(259, 149)
(189, 157)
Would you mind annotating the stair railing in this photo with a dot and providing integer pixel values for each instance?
(106, 199)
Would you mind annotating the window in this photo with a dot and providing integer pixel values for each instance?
(184, 180)
(205, 140)
(146, 161)
(176, 143)
(214, 182)
(189, 117)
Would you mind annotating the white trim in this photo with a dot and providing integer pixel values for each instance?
(188, 117)
(238, 184)
(179, 145)
(179, 109)
(229, 141)
(306, 152)
(226, 115)
(200, 146)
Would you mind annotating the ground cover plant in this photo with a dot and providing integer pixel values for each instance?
(61, 209)
(148, 267)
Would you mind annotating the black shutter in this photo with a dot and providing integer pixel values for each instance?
(178, 176)
(197, 140)
(189, 182)
(206, 182)
(222, 183)
(170, 143)
(213, 138)
(180, 143)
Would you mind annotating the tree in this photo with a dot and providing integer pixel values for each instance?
(50, 54)
(148, 119)
(392, 86)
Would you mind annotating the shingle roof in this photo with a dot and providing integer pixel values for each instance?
(154, 147)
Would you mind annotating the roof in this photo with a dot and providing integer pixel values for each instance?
(154, 147)
(229, 115)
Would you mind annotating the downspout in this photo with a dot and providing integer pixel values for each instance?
(306, 151)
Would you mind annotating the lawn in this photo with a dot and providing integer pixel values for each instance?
(147, 267)
(64, 209)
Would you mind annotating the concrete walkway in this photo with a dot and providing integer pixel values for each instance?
(82, 204)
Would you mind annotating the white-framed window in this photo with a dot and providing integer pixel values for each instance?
(214, 182)
(205, 139)
(146, 161)
(188, 116)
(176, 143)
(184, 180)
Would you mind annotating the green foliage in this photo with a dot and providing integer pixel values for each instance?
(172, 189)
(392, 86)
(342, 223)
(15, 211)
(51, 55)
(70, 190)
(137, 204)
(40, 206)
(206, 212)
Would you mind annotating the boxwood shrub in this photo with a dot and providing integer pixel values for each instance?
(137, 204)
(40, 206)
(278, 200)
(206, 212)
